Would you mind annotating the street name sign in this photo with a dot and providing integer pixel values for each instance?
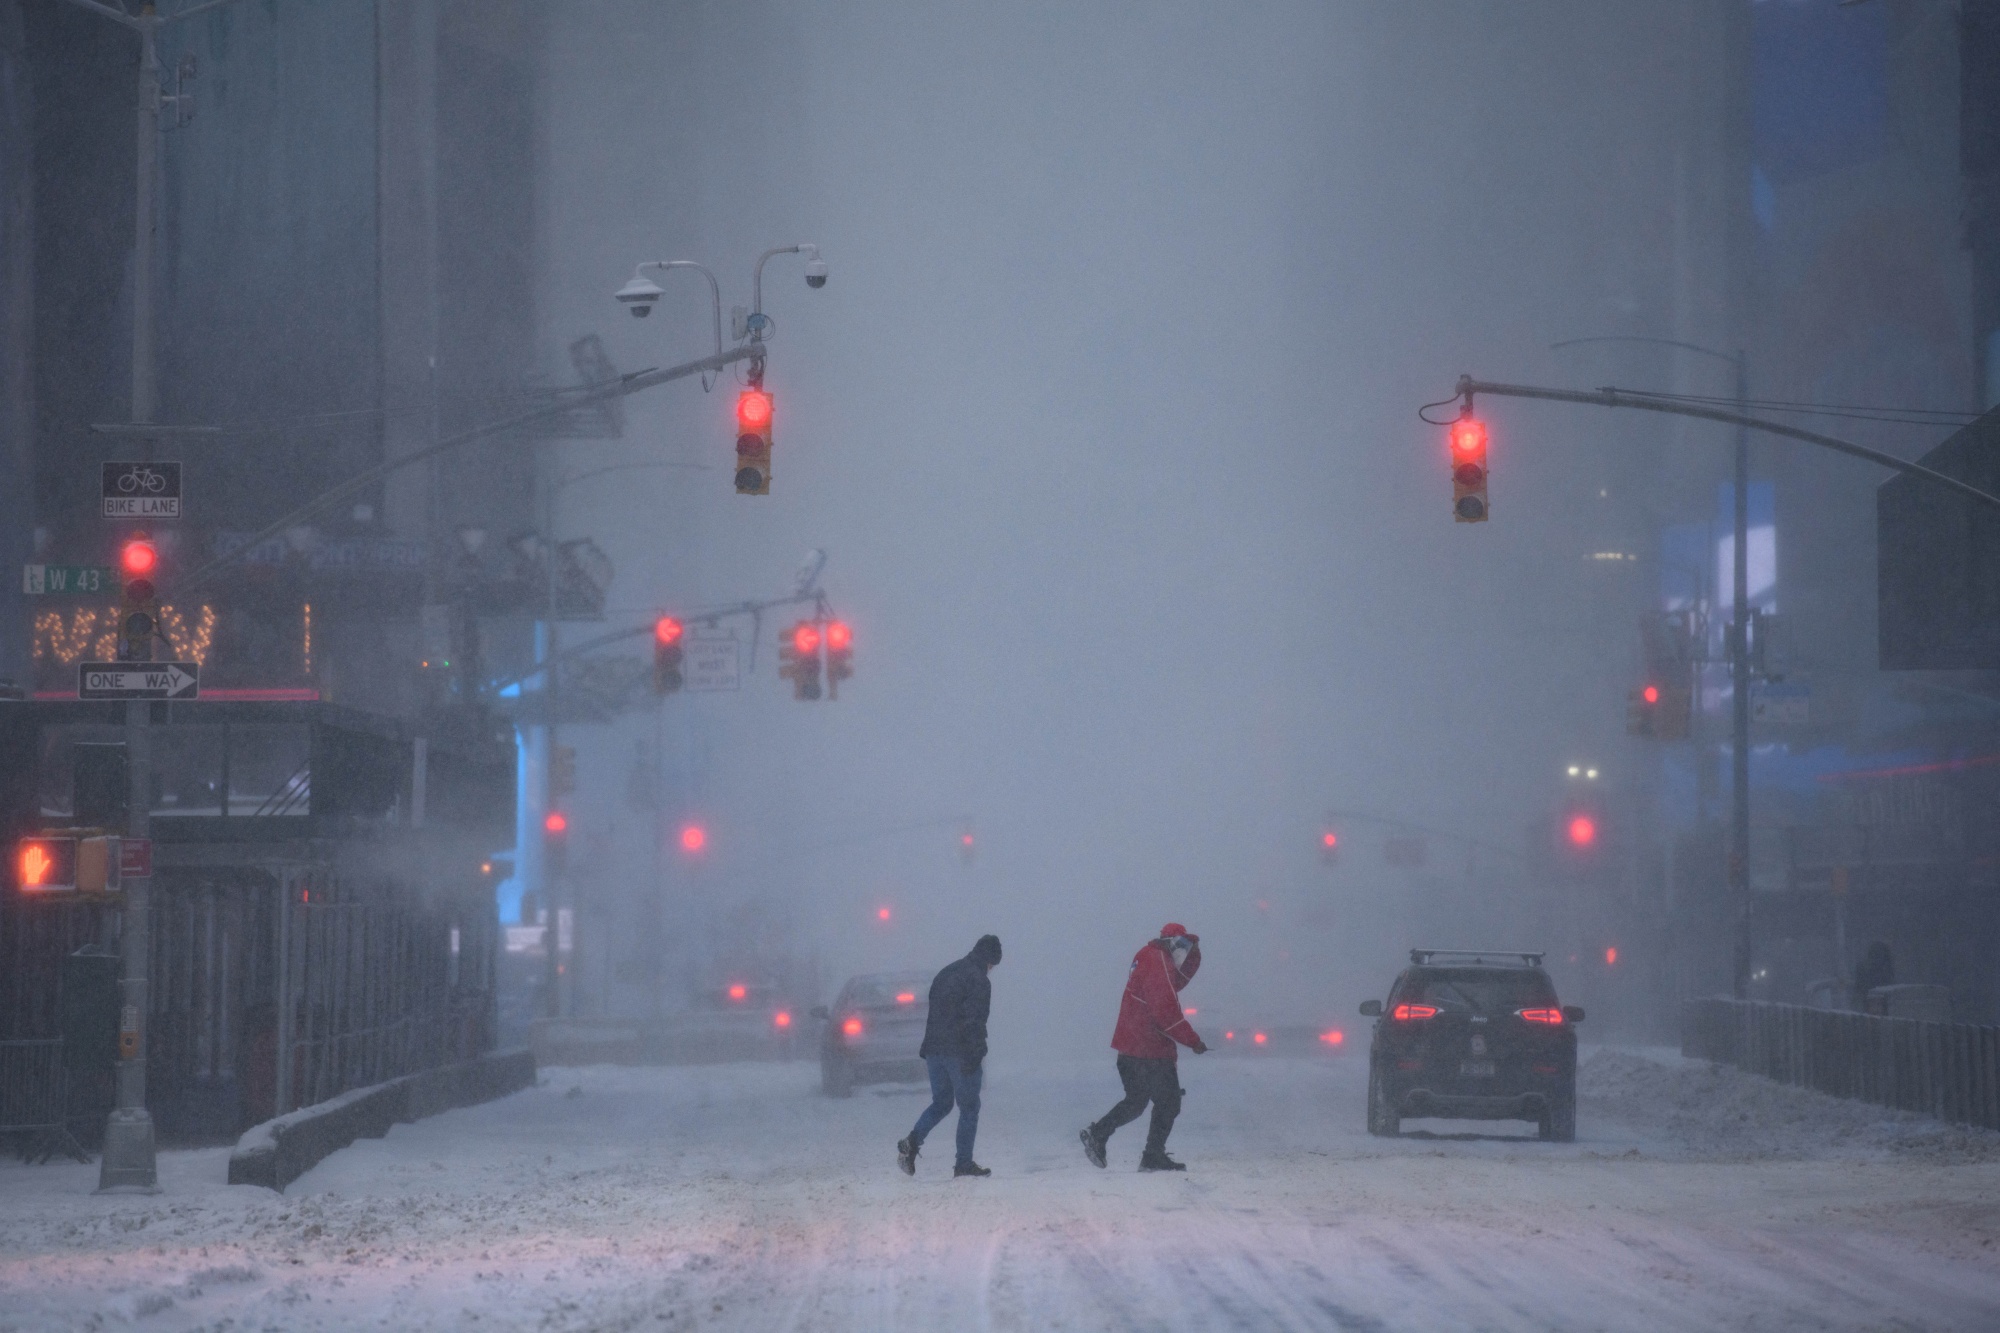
(712, 662)
(66, 580)
(142, 490)
(137, 680)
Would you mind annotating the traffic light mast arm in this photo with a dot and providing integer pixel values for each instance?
(618, 388)
(708, 617)
(1468, 388)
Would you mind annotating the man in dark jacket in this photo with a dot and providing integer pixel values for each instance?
(954, 1050)
(1150, 1022)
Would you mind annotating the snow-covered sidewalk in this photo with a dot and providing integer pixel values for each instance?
(737, 1197)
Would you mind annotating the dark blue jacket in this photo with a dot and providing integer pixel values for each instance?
(961, 995)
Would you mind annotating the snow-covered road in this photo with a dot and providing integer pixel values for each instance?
(737, 1197)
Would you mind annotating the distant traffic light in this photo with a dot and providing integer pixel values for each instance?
(753, 442)
(1659, 712)
(1329, 847)
(968, 845)
(1581, 830)
(798, 659)
(139, 621)
(1468, 469)
(555, 841)
(693, 838)
(667, 635)
(839, 655)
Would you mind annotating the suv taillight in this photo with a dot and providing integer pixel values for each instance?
(1550, 1016)
(1404, 1013)
(852, 1027)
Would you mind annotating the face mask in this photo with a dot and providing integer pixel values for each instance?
(1180, 952)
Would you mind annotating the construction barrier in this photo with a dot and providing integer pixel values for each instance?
(1947, 1070)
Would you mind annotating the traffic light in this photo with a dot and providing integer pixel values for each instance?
(798, 659)
(693, 838)
(1468, 469)
(753, 442)
(139, 621)
(1329, 847)
(839, 655)
(44, 865)
(1659, 712)
(968, 845)
(667, 634)
(555, 842)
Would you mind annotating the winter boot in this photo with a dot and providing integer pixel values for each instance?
(969, 1169)
(1093, 1148)
(906, 1156)
(1159, 1161)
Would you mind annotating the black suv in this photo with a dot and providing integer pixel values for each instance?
(1473, 1036)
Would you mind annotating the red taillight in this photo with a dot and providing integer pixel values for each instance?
(737, 993)
(906, 997)
(1229, 1036)
(782, 1018)
(1404, 1013)
(1258, 1037)
(852, 1027)
(1541, 1015)
(1189, 1010)
(1333, 1038)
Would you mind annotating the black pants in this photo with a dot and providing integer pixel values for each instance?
(1145, 1080)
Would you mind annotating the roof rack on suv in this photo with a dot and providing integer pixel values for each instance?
(1475, 957)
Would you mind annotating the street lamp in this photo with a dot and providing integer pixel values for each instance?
(1739, 651)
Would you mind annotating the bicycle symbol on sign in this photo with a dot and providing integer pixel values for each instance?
(142, 478)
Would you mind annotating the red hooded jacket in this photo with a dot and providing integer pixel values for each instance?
(1150, 1020)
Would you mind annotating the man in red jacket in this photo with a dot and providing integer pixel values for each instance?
(1150, 1021)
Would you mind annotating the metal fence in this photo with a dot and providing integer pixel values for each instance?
(33, 1091)
(1947, 1070)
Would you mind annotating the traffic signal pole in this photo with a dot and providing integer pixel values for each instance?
(1739, 645)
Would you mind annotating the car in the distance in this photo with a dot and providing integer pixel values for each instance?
(873, 1031)
(1469, 1035)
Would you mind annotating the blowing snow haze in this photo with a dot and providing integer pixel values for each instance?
(1106, 417)
(1112, 352)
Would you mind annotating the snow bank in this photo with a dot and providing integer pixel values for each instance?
(1712, 1110)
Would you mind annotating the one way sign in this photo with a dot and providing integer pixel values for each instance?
(137, 680)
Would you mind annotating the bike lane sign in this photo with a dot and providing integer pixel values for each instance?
(142, 490)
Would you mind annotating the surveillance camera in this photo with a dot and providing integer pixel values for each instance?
(639, 296)
(816, 273)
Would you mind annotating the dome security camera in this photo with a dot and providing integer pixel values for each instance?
(639, 296)
(816, 273)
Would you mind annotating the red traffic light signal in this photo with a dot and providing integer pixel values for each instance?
(1468, 469)
(693, 838)
(798, 659)
(137, 558)
(1329, 847)
(667, 655)
(1581, 830)
(754, 411)
(555, 823)
(839, 637)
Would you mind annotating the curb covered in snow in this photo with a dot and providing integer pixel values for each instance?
(279, 1151)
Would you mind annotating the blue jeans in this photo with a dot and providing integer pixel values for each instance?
(951, 1081)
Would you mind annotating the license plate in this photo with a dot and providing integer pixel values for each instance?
(1475, 1069)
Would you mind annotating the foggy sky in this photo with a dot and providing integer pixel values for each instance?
(1107, 420)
